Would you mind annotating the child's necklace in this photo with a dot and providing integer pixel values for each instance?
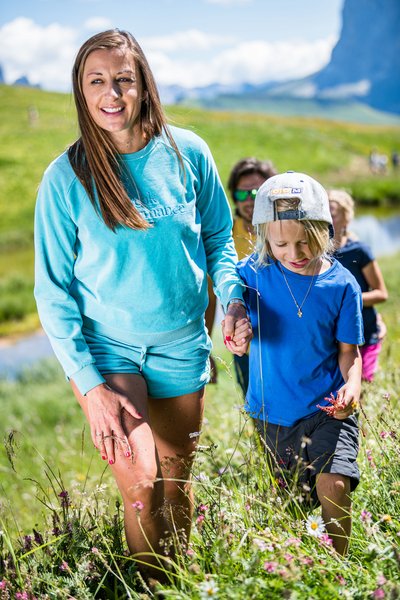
(298, 306)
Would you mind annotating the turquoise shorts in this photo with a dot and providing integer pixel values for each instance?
(177, 364)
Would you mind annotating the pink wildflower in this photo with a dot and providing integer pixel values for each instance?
(293, 542)
(384, 434)
(202, 508)
(379, 593)
(288, 557)
(95, 550)
(307, 560)
(270, 566)
(366, 516)
(341, 580)
(3, 584)
(370, 457)
(21, 596)
(64, 566)
(381, 579)
(200, 519)
(325, 539)
(336, 405)
(138, 505)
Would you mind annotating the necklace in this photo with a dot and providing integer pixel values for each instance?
(298, 306)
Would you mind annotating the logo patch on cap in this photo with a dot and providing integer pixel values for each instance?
(286, 190)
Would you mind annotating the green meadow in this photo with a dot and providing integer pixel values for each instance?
(61, 534)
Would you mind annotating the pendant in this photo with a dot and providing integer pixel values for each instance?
(299, 313)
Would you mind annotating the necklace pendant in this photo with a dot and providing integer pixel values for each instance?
(299, 313)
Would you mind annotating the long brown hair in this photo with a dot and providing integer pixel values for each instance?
(94, 157)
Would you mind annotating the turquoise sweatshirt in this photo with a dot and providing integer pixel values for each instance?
(145, 283)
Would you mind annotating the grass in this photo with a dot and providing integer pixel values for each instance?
(62, 525)
(334, 152)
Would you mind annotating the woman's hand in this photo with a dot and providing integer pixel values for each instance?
(236, 329)
(105, 407)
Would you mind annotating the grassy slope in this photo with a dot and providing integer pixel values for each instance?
(336, 153)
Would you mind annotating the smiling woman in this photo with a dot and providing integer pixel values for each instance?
(128, 223)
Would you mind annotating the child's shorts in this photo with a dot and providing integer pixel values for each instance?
(170, 368)
(320, 444)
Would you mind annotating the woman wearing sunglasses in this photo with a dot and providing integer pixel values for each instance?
(247, 175)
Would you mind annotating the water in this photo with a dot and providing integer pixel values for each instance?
(383, 236)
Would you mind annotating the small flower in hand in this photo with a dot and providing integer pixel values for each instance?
(337, 405)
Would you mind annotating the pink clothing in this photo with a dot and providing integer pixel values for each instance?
(369, 355)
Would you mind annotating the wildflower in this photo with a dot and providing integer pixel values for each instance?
(306, 560)
(138, 505)
(95, 550)
(200, 519)
(64, 566)
(3, 584)
(270, 566)
(315, 526)
(336, 405)
(386, 519)
(21, 596)
(288, 557)
(366, 516)
(260, 544)
(370, 457)
(208, 589)
(202, 508)
(384, 434)
(305, 441)
(341, 579)
(190, 552)
(381, 579)
(27, 543)
(293, 542)
(325, 539)
(65, 501)
(247, 507)
(378, 593)
(38, 537)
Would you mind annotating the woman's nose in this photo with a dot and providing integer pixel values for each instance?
(113, 90)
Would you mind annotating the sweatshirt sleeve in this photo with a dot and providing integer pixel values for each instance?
(55, 240)
(216, 227)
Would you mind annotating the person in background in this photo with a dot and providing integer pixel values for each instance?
(305, 366)
(358, 258)
(128, 221)
(246, 177)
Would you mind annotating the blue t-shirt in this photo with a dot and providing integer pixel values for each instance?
(355, 256)
(294, 361)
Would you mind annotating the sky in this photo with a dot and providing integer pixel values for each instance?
(187, 42)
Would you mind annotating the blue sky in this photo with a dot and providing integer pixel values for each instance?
(187, 42)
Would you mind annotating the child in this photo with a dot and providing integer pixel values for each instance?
(305, 310)
(357, 257)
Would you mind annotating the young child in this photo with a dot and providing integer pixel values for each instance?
(305, 310)
(358, 258)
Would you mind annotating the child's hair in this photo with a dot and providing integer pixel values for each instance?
(316, 233)
(344, 200)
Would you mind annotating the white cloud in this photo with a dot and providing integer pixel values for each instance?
(189, 58)
(43, 54)
(250, 62)
(98, 24)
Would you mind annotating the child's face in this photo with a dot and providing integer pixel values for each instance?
(289, 245)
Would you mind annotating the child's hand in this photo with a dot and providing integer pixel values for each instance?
(239, 342)
(344, 405)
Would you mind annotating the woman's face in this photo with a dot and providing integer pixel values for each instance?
(248, 182)
(113, 92)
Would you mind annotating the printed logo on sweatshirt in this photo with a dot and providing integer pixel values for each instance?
(152, 209)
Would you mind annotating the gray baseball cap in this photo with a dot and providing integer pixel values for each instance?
(313, 205)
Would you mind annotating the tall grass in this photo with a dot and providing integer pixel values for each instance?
(62, 534)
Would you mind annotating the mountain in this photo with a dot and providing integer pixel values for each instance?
(361, 81)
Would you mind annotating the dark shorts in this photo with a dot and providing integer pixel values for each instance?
(320, 444)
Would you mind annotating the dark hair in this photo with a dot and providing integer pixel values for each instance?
(94, 156)
(248, 166)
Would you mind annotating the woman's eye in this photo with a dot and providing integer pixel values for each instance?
(125, 80)
(96, 81)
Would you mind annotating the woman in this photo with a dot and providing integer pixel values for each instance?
(128, 221)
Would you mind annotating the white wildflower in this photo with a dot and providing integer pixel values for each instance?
(315, 526)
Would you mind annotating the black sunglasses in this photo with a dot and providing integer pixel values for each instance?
(243, 195)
